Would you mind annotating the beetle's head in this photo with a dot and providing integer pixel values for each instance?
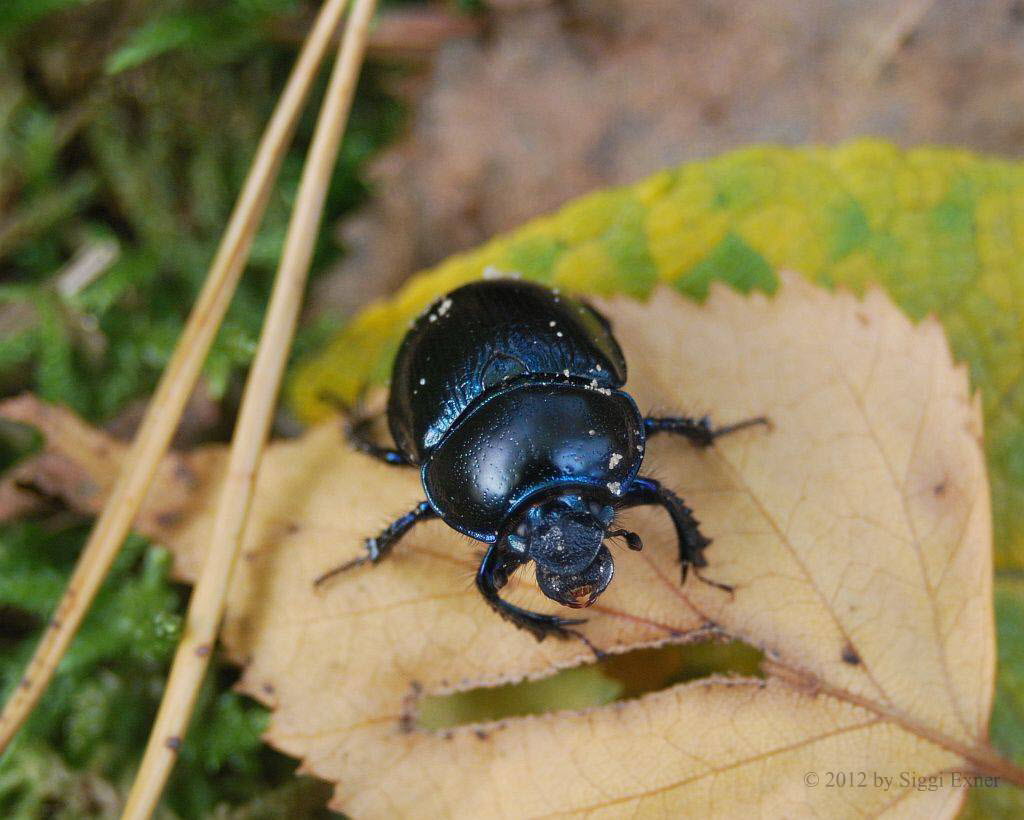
(564, 536)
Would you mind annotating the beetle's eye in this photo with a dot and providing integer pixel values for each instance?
(578, 589)
(602, 513)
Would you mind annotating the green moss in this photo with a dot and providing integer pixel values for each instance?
(150, 160)
(133, 125)
(83, 742)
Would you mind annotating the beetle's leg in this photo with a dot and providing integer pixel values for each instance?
(692, 542)
(631, 538)
(495, 570)
(378, 547)
(357, 431)
(698, 431)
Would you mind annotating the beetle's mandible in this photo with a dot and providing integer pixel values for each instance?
(507, 397)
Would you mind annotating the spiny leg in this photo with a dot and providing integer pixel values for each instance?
(692, 542)
(495, 570)
(698, 431)
(378, 547)
(358, 433)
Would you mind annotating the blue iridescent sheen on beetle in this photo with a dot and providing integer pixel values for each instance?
(507, 396)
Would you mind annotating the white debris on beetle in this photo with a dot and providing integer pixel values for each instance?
(592, 432)
(559, 334)
(639, 448)
(552, 323)
(614, 459)
(423, 381)
(565, 373)
(615, 487)
(444, 307)
(598, 368)
(432, 317)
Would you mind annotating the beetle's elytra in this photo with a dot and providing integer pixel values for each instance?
(507, 396)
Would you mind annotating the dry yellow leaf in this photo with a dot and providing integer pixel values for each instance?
(856, 533)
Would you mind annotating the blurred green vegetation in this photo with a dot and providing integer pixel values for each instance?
(76, 756)
(126, 130)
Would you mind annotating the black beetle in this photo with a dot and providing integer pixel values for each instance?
(507, 397)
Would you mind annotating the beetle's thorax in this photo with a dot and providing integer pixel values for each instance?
(528, 439)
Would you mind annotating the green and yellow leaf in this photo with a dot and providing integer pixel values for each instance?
(942, 230)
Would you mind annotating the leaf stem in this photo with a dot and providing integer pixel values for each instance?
(983, 759)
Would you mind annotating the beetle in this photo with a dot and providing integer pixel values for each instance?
(507, 397)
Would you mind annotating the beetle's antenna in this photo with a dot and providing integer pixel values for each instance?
(631, 538)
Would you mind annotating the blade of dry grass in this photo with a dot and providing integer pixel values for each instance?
(207, 604)
(176, 384)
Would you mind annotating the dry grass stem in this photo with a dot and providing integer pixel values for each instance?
(207, 604)
(165, 409)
